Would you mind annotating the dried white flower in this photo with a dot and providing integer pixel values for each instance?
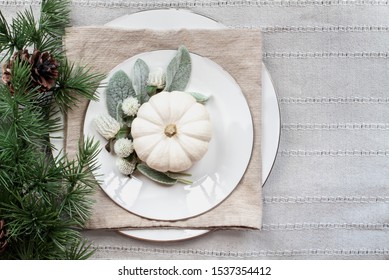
(157, 78)
(107, 126)
(123, 147)
(125, 167)
(130, 106)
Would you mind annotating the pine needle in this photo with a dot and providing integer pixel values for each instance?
(45, 201)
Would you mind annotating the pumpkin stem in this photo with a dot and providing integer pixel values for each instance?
(170, 130)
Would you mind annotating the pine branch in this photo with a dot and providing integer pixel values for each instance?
(55, 17)
(24, 30)
(21, 80)
(5, 37)
(80, 182)
(79, 251)
(44, 200)
(46, 203)
(75, 82)
(19, 112)
(45, 34)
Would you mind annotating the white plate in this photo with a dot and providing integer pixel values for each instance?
(214, 177)
(176, 19)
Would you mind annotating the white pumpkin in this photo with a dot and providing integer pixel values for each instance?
(171, 131)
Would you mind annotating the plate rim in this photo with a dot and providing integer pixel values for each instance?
(201, 232)
(264, 181)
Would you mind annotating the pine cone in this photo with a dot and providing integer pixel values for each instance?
(3, 239)
(44, 70)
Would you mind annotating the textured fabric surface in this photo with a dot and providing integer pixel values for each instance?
(225, 47)
(328, 195)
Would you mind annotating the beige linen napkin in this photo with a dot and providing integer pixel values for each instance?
(237, 51)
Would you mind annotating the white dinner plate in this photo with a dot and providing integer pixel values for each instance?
(176, 19)
(214, 177)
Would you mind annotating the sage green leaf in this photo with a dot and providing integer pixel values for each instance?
(155, 175)
(178, 71)
(200, 98)
(123, 132)
(132, 157)
(140, 74)
(177, 176)
(119, 88)
(151, 90)
(128, 120)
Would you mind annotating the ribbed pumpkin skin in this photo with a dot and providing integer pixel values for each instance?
(189, 142)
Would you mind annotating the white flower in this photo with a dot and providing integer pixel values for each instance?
(126, 167)
(107, 126)
(130, 106)
(123, 147)
(157, 78)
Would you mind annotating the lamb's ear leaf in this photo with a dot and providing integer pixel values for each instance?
(155, 175)
(200, 98)
(178, 71)
(119, 88)
(140, 74)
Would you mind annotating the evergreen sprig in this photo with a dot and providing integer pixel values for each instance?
(44, 201)
(43, 34)
(46, 34)
(75, 79)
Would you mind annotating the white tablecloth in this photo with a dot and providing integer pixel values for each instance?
(328, 194)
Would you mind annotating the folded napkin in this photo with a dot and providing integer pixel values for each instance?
(237, 51)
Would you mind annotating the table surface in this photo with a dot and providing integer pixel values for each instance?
(328, 194)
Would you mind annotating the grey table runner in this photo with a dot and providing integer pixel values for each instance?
(328, 194)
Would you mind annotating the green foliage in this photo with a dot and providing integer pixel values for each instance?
(79, 251)
(21, 77)
(178, 71)
(44, 201)
(164, 178)
(155, 175)
(200, 98)
(140, 74)
(75, 82)
(5, 36)
(44, 34)
(119, 88)
(24, 31)
(54, 17)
